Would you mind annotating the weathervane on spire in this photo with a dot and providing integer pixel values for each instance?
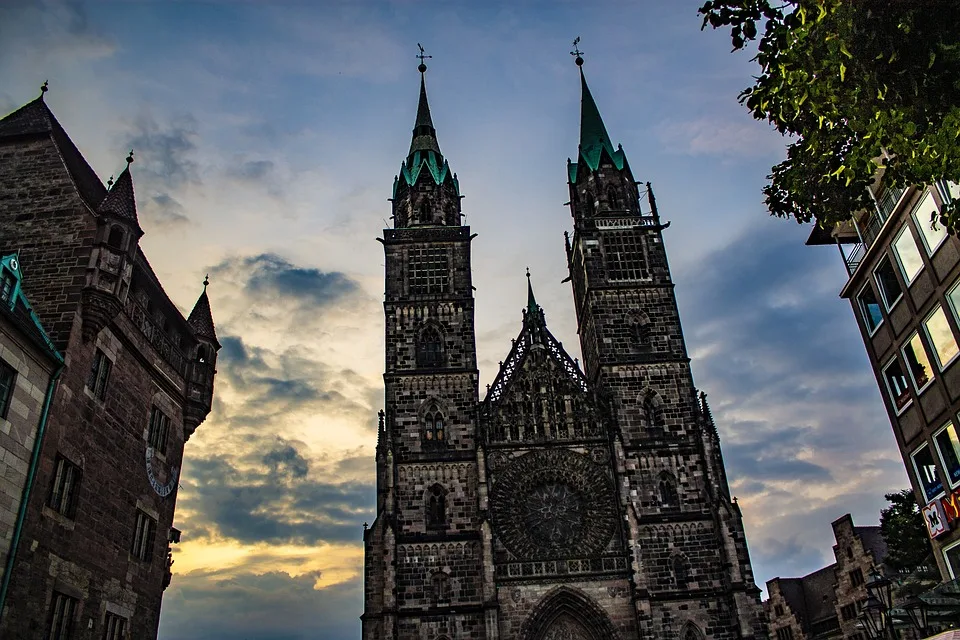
(422, 67)
(576, 52)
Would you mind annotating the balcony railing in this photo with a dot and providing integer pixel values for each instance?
(869, 226)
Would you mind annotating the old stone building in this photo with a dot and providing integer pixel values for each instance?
(904, 288)
(827, 603)
(90, 559)
(577, 504)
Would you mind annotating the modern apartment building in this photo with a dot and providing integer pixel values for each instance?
(904, 287)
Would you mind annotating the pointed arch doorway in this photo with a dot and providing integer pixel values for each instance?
(568, 614)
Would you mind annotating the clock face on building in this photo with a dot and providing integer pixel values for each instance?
(163, 489)
(553, 503)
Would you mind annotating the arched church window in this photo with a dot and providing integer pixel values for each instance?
(653, 409)
(668, 491)
(589, 203)
(436, 508)
(681, 571)
(690, 632)
(613, 198)
(430, 349)
(440, 583)
(115, 239)
(639, 327)
(433, 425)
(203, 354)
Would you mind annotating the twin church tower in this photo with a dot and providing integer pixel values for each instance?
(568, 503)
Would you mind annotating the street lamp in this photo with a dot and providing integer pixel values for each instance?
(918, 612)
(875, 618)
(865, 624)
(878, 606)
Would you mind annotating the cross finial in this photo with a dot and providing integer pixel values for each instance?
(130, 157)
(110, 182)
(206, 281)
(422, 67)
(44, 87)
(528, 273)
(576, 52)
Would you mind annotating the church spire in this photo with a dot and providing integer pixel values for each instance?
(594, 139)
(531, 300)
(424, 134)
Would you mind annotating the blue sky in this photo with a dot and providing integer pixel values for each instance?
(267, 137)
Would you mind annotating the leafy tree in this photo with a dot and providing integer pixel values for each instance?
(903, 529)
(857, 85)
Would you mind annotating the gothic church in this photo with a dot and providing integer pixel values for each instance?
(569, 503)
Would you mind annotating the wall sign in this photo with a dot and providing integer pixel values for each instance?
(935, 518)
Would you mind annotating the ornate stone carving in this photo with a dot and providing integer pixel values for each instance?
(553, 504)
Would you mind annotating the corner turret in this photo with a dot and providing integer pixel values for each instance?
(114, 251)
(202, 366)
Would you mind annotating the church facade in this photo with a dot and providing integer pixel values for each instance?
(569, 503)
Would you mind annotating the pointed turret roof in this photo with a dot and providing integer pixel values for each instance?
(201, 318)
(120, 200)
(531, 300)
(594, 139)
(424, 148)
(36, 119)
(424, 134)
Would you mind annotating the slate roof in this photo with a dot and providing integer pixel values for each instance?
(201, 318)
(424, 150)
(594, 139)
(120, 200)
(872, 539)
(36, 119)
(819, 593)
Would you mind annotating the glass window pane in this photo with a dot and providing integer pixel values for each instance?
(953, 297)
(949, 447)
(907, 253)
(869, 308)
(932, 235)
(941, 337)
(917, 362)
(888, 283)
(926, 470)
(897, 384)
(952, 556)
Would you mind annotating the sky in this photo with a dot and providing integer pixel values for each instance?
(267, 137)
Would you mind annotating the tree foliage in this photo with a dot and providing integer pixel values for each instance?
(858, 85)
(903, 529)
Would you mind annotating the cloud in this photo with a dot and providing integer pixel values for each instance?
(271, 276)
(163, 152)
(162, 210)
(268, 606)
(251, 170)
(274, 497)
(714, 136)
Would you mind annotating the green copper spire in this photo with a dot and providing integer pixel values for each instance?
(594, 139)
(424, 135)
(593, 134)
(531, 300)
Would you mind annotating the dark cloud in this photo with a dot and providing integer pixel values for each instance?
(272, 497)
(163, 152)
(270, 275)
(763, 456)
(269, 386)
(268, 606)
(163, 210)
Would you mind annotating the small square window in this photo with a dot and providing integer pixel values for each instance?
(8, 380)
(953, 298)
(926, 470)
(159, 429)
(143, 537)
(905, 248)
(932, 233)
(952, 555)
(917, 362)
(941, 338)
(869, 309)
(99, 374)
(887, 282)
(62, 610)
(948, 446)
(114, 627)
(856, 577)
(896, 381)
(65, 487)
